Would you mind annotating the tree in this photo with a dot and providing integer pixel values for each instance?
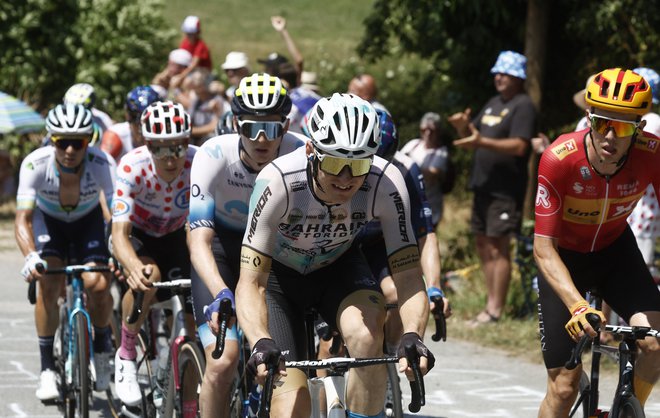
(48, 45)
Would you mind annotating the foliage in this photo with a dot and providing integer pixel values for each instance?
(48, 45)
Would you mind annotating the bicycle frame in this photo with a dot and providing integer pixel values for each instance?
(75, 305)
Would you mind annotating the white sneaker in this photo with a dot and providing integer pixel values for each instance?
(47, 389)
(126, 384)
(103, 371)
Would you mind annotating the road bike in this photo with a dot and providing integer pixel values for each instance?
(72, 350)
(625, 404)
(170, 362)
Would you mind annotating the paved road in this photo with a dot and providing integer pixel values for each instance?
(468, 380)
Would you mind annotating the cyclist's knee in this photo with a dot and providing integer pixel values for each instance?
(97, 283)
(563, 385)
(220, 372)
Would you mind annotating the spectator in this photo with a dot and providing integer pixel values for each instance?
(364, 86)
(302, 98)
(235, 67)
(430, 153)
(178, 61)
(309, 81)
(274, 60)
(499, 136)
(193, 43)
(204, 107)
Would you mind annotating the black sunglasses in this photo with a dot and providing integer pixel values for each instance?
(64, 143)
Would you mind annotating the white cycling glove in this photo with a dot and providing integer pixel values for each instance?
(32, 260)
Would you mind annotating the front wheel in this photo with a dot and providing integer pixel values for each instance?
(80, 368)
(393, 403)
(630, 408)
(191, 375)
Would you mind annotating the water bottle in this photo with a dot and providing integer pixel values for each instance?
(252, 402)
(161, 375)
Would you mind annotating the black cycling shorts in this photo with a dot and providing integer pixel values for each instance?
(81, 241)
(617, 273)
(494, 216)
(290, 293)
(171, 255)
(226, 248)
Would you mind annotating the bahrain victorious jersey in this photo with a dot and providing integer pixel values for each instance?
(586, 212)
(289, 224)
(222, 183)
(149, 203)
(39, 183)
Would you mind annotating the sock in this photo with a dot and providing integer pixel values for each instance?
(102, 342)
(190, 409)
(127, 349)
(351, 414)
(642, 389)
(46, 350)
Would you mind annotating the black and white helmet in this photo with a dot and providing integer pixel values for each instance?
(81, 93)
(165, 121)
(344, 126)
(70, 120)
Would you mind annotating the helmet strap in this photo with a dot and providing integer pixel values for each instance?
(314, 163)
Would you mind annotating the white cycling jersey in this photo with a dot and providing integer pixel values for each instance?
(117, 140)
(148, 202)
(39, 183)
(222, 183)
(292, 226)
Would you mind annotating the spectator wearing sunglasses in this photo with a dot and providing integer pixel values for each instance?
(223, 176)
(60, 221)
(306, 211)
(122, 137)
(588, 183)
(149, 214)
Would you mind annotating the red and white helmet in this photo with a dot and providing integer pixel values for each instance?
(165, 121)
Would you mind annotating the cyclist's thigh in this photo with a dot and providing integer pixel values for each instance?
(50, 238)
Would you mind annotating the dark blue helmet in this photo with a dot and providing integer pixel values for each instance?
(139, 99)
(389, 137)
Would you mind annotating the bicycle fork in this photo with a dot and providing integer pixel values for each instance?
(76, 294)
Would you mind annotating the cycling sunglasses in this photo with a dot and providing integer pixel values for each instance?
(173, 151)
(63, 143)
(334, 165)
(622, 128)
(253, 128)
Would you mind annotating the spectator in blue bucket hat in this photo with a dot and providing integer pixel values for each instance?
(500, 138)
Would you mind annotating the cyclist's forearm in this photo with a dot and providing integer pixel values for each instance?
(251, 310)
(203, 261)
(122, 248)
(430, 260)
(554, 271)
(413, 301)
(23, 232)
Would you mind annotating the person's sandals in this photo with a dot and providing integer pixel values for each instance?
(484, 317)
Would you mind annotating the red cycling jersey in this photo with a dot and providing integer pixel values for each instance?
(586, 212)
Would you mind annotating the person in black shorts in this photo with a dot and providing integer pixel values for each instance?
(500, 137)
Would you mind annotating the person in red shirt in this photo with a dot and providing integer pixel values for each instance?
(193, 43)
(588, 183)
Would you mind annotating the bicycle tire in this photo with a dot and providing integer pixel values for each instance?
(81, 374)
(191, 360)
(169, 403)
(630, 408)
(145, 374)
(393, 399)
(584, 387)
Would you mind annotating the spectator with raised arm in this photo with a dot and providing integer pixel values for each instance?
(500, 138)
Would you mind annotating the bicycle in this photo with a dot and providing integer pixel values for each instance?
(625, 404)
(179, 359)
(74, 358)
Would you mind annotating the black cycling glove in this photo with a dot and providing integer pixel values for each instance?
(412, 338)
(265, 351)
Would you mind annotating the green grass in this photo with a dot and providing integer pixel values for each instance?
(321, 30)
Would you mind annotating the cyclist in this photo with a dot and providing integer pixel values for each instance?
(123, 137)
(149, 213)
(223, 176)
(84, 94)
(373, 245)
(305, 212)
(59, 219)
(588, 183)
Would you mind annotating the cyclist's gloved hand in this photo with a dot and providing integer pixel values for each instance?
(414, 339)
(214, 307)
(578, 321)
(32, 260)
(265, 351)
(434, 291)
(323, 330)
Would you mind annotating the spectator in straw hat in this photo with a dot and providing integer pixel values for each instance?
(178, 61)
(235, 67)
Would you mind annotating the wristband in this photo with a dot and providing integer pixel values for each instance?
(434, 291)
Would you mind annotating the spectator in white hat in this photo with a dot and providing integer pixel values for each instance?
(178, 61)
(235, 67)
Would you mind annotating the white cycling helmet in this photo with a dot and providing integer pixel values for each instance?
(261, 94)
(70, 120)
(344, 126)
(81, 93)
(165, 121)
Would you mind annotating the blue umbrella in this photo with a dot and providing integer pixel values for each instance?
(18, 117)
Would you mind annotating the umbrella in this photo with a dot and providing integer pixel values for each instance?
(18, 117)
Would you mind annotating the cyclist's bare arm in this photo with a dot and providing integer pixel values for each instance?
(124, 252)
(431, 264)
(203, 261)
(413, 302)
(23, 231)
(554, 270)
(251, 308)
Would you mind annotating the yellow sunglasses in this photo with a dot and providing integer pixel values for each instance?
(622, 128)
(334, 165)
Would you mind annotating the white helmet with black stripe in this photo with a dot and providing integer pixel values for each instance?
(344, 126)
(70, 120)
